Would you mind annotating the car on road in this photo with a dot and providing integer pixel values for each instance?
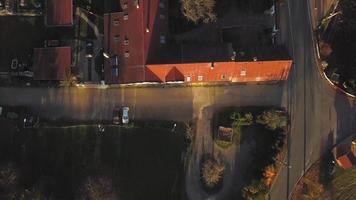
(31, 121)
(125, 115)
(116, 115)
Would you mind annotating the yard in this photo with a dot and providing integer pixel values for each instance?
(142, 163)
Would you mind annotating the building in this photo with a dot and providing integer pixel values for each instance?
(345, 153)
(58, 13)
(139, 48)
(52, 63)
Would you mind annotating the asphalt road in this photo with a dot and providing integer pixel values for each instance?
(145, 103)
(320, 116)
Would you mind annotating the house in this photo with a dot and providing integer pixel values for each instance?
(58, 13)
(52, 63)
(345, 153)
(139, 38)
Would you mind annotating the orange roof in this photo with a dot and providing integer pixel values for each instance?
(344, 162)
(220, 71)
(59, 13)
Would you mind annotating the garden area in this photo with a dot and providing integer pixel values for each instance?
(325, 180)
(141, 161)
(337, 44)
(263, 132)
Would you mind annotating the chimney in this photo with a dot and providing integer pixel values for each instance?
(353, 148)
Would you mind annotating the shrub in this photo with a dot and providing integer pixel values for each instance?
(212, 172)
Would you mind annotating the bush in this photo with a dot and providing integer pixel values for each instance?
(212, 172)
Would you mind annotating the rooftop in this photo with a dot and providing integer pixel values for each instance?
(52, 63)
(59, 13)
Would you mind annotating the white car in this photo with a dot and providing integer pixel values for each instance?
(125, 115)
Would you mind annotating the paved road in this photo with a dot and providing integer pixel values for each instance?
(148, 103)
(320, 116)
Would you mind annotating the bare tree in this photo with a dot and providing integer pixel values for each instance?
(97, 188)
(212, 172)
(199, 10)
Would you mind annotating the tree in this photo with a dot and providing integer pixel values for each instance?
(254, 189)
(97, 188)
(212, 172)
(9, 176)
(348, 8)
(272, 119)
(199, 10)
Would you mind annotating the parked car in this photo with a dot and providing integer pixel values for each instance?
(89, 49)
(125, 115)
(30, 121)
(116, 116)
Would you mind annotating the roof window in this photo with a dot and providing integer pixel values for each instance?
(126, 41)
(126, 16)
(200, 78)
(124, 6)
(127, 54)
(116, 38)
(116, 22)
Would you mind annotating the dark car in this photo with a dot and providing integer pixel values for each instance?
(30, 121)
(116, 115)
(89, 49)
(114, 62)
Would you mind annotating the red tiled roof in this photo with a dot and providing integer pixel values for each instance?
(52, 63)
(59, 13)
(344, 162)
(131, 25)
(221, 71)
(125, 33)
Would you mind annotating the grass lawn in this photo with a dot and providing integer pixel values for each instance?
(343, 185)
(144, 163)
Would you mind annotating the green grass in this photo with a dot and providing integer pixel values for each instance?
(343, 185)
(223, 144)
